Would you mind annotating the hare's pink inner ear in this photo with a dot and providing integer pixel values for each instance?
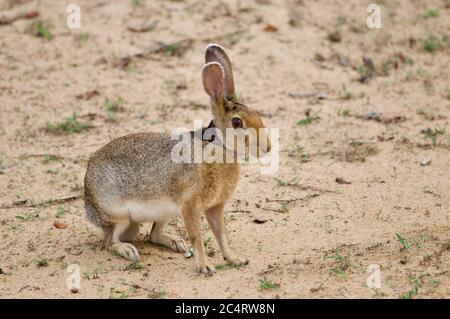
(213, 80)
(215, 53)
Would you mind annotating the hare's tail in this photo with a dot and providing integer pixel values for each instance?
(91, 214)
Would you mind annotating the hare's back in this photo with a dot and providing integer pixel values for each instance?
(135, 164)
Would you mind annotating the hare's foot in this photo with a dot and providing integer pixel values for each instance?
(125, 250)
(235, 261)
(206, 269)
(159, 236)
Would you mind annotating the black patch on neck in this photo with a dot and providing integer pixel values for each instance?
(211, 125)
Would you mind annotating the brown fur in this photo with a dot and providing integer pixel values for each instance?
(138, 168)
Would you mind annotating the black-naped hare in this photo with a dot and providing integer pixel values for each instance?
(134, 179)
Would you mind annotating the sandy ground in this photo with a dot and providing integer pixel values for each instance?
(365, 149)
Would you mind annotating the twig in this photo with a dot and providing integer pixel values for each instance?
(174, 46)
(10, 18)
(312, 188)
(239, 211)
(23, 202)
(26, 156)
(290, 200)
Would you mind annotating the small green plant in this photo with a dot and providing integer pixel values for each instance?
(41, 262)
(137, 3)
(51, 158)
(432, 43)
(345, 113)
(112, 107)
(2, 166)
(70, 125)
(82, 38)
(114, 294)
(135, 266)
(448, 95)
(222, 267)
(409, 294)
(267, 284)
(41, 29)
(433, 134)
(173, 49)
(157, 294)
(426, 115)
(337, 271)
(345, 94)
(27, 217)
(343, 262)
(306, 121)
(305, 158)
(402, 241)
(365, 72)
(432, 13)
(417, 283)
(293, 182)
(61, 211)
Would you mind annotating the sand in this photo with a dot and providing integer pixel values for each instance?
(364, 173)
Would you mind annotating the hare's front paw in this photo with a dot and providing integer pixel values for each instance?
(206, 269)
(125, 250)
(175, 243)
(235, 261)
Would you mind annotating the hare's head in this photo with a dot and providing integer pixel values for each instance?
(229, 113)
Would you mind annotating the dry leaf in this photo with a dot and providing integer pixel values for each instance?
(259, 220)
(270, 28)
(341, 181)
(59, 225)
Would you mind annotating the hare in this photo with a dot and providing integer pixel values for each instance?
(133, 179)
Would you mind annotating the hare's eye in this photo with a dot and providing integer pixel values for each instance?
(236, 122)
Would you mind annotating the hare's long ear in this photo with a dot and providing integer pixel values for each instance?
(215, 53)
(213, 83)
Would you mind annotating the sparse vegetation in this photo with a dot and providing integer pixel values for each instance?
(41, 29)
(265, 284)
(418, 283)
(345, 94)
(432, 43)
(432, 13)
(112, 107)
(61, 212)
(292, 182)
(135, 266)
(28, 216)
(41, 262)
(52, 158)
(402, 241)
(433, 134)
(342, 262)
(306, 121)
(364, 145)
(2, 166)
(137, 3)
(69, 125)
(157, 294)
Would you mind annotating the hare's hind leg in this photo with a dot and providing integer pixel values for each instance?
(107, 235)
(158, 235)
(125, 250)
(131, 233)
